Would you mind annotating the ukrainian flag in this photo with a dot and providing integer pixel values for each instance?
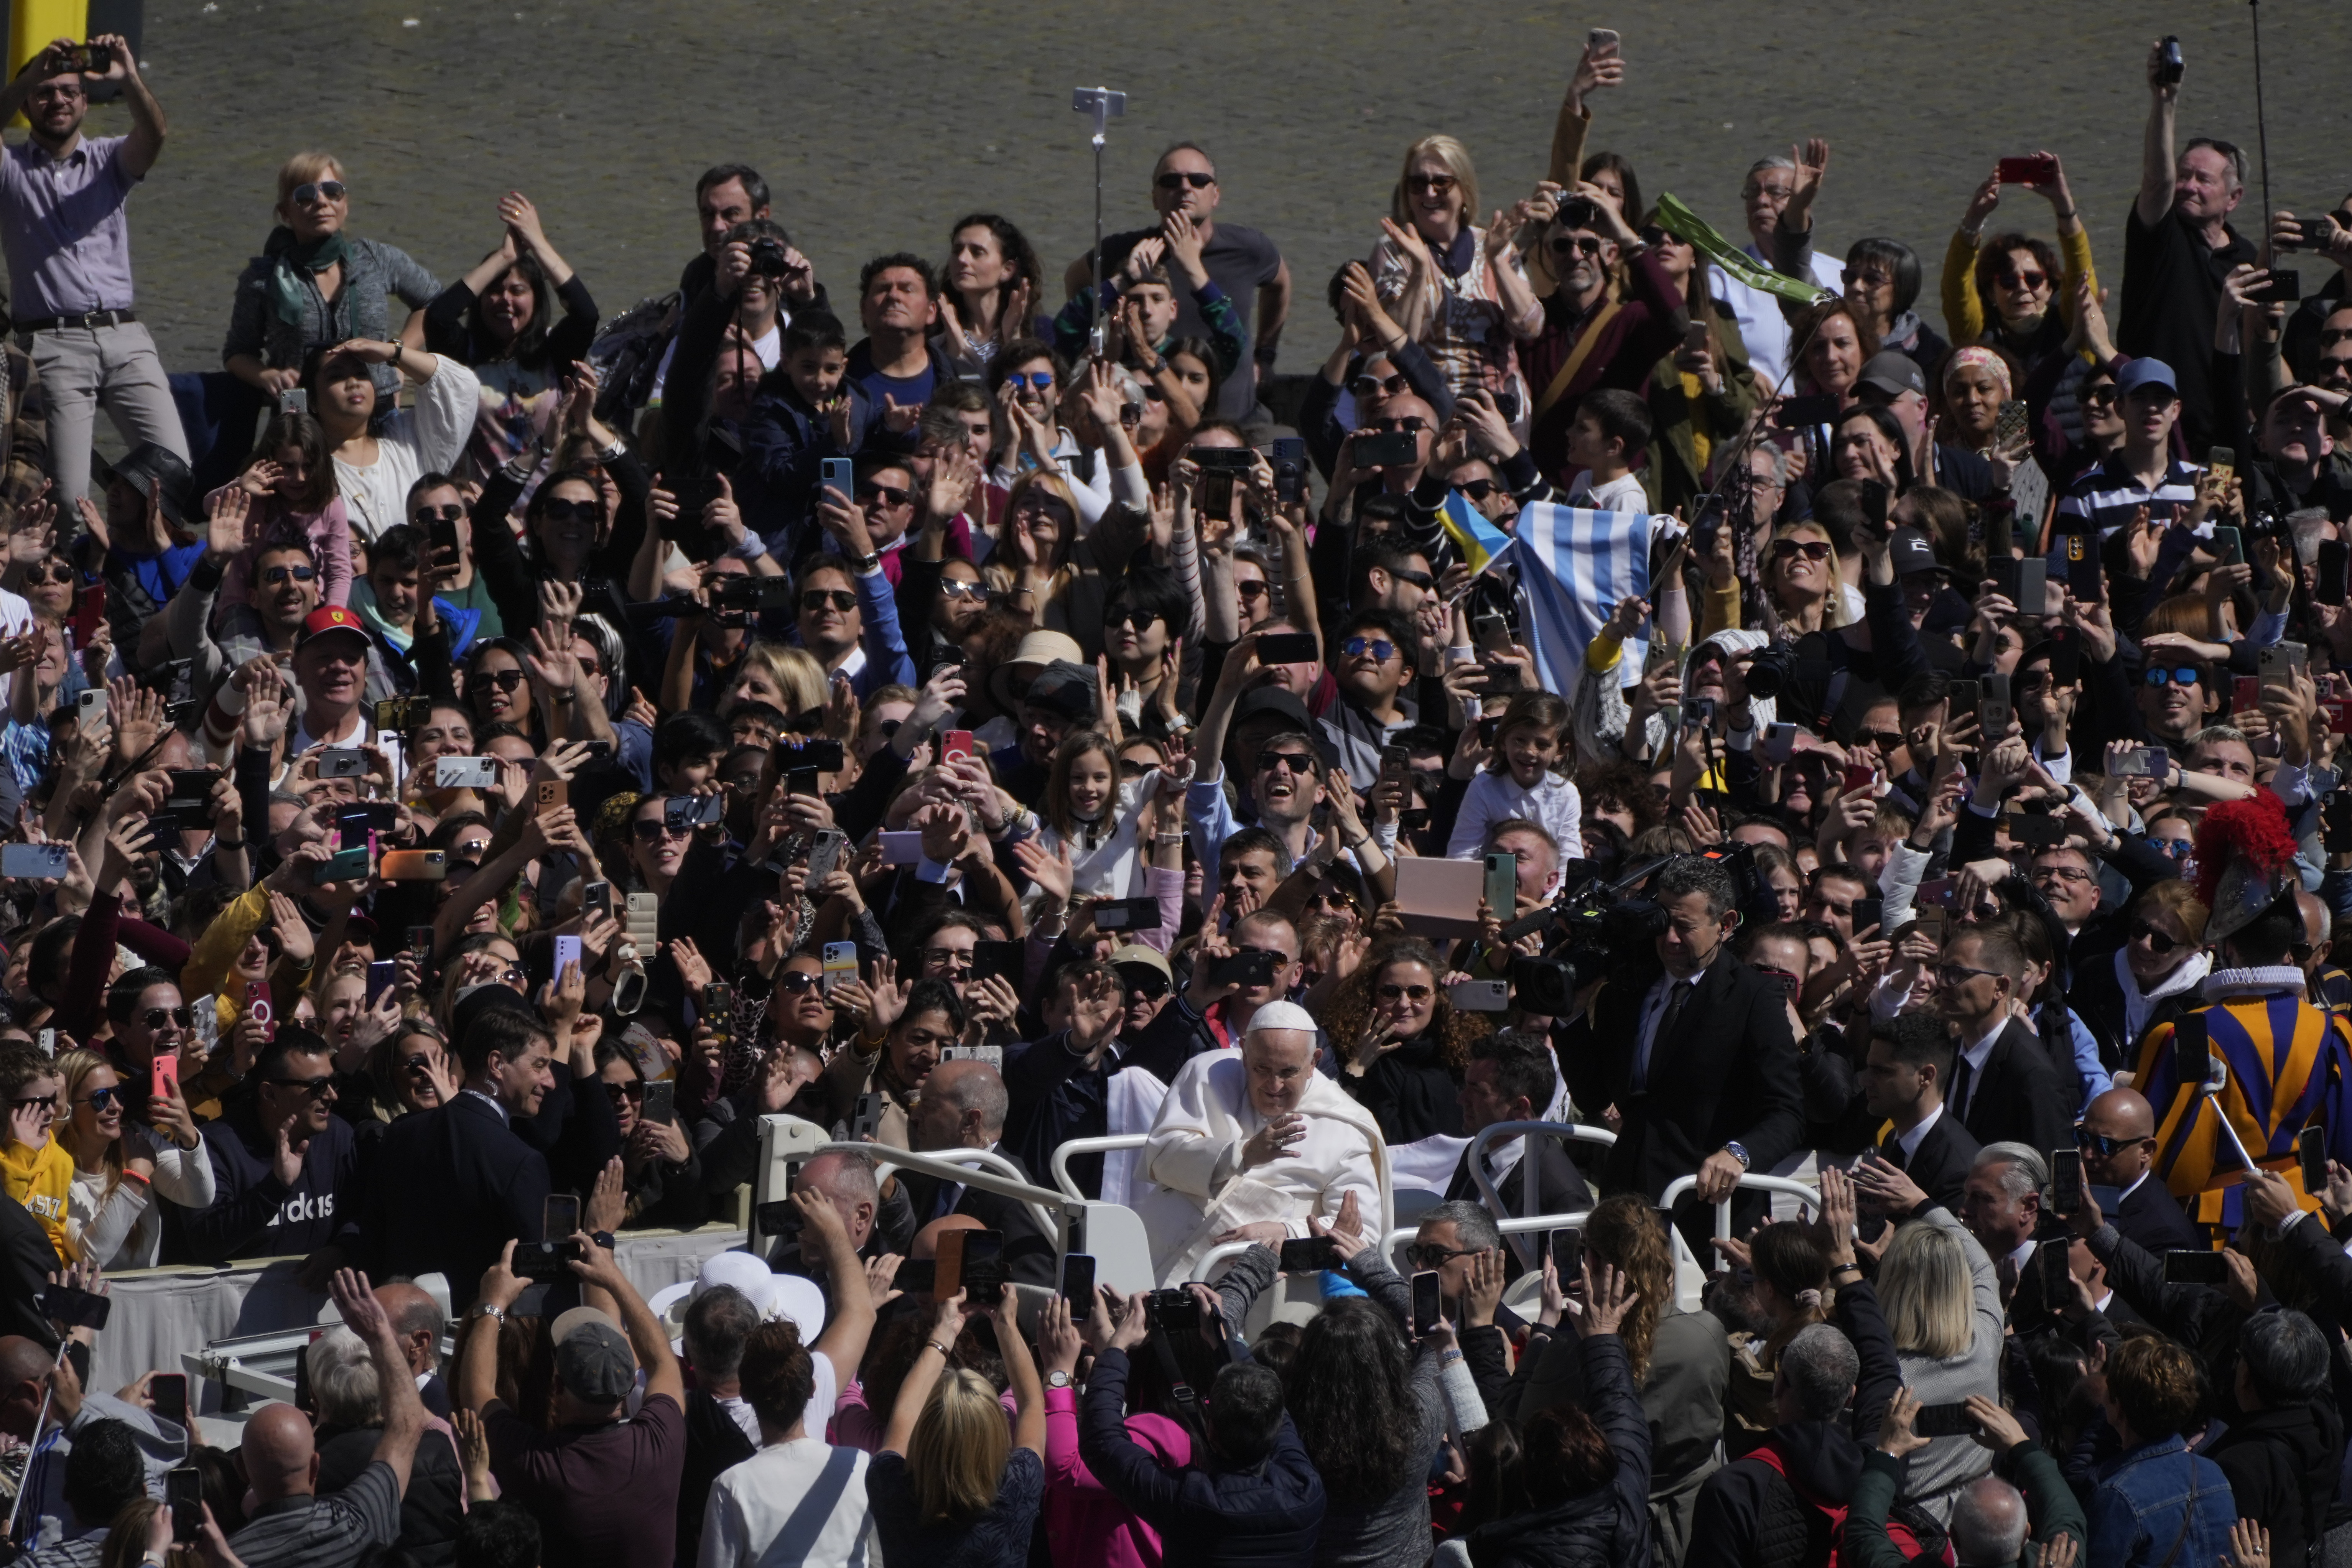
(1480, 541)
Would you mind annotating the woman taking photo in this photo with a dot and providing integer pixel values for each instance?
(950, 1484)
(121, 1165)
(377, 460)
(314, 285)
(993, 290)
(1458, 291)
(2012, 291)
(500, 318)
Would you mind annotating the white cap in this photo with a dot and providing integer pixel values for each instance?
(777, 1295)
(1282, 1015)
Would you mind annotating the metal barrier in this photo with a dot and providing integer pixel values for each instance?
(1518, 1225)
(1566, 1131)
(1681, 1186)
(1110, 1145)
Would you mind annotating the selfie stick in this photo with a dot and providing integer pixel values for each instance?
(2262, 126)
(1107, 106)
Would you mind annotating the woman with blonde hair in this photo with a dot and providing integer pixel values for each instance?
(949, 1484)
(1680, 1361)
(1801, 578)
(787, 678)
(1460, 291)
(314, 285)
(120, 1165)
(1942, 1303)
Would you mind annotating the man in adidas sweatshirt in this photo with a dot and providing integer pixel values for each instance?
(283, 1164)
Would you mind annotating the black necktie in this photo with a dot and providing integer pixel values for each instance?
(1963, 1076)
(1677, 992)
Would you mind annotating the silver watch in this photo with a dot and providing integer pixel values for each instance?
(1057, 1378)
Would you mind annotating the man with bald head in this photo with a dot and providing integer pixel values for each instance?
(875, 1224)
(417, 1319)
(290, 1523)
(2326, 984)
(962, 1105)
(2119, 1140)
(29, 1372)
(1250, 1144)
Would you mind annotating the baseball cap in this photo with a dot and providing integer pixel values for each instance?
(1894, 373)
(592, 1360)
(1135, 953)
(1064, 688)
(2146, 373)
(1910, 552)
(1037, 650)
(329, 619)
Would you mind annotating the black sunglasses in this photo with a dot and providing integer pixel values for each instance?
(185, 1015)
(1176, 180)
(2158, 941)
(572, 510)
(428, 514)
(316, 1087)
(840, 599)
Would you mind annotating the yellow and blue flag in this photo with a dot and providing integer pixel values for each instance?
(1479, 541)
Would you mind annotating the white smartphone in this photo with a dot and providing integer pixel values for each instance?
(465, 772)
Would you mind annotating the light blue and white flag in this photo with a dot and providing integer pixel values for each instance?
(1575, 564)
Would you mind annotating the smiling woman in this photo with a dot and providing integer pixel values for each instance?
(119, 1165)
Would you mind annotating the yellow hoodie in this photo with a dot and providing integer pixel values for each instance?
(40, 1179)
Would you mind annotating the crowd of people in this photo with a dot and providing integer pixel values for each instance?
(471, 769)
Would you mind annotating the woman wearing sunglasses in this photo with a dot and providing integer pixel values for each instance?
(1027, 385)
(2152, 979)
(1403, 1045)
(502, 319)
(1460, 291)
(2014, 291)
(314, 285)
(121, 1167)
(498, 688)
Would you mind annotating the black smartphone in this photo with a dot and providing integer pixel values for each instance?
(191, 789)
(596, 899)
(2284, 287)
(1874, 500)
(915, 1275)
(2065, 658)
(2066, 1183)
(1008, 960)
(2169, 63)
(1568, 1253)
(442, 531)
(1289, 469)
(1246, 968)
(983, 1266)
(1943, 1421)
(541, 1261)
(356, 822)
(681, 812)
(2083, 571)
(184, 1494)
(2184, 1267)
(2191, 1061)
(74, 1308)
(661, 1100)
(1077, 1284)
(169, 1390)
(2311, 1153)
(2057, 1276)
(782, 1217)
(1288, 647)
(2335, 822)
(801, 781)
(2034, 828)
(1385, 449)
(1797, 412)
(1962, 697)
(1127, 914)
(2335, 571)
(1868, 912)
(1428, 1302)
(1309, 1255)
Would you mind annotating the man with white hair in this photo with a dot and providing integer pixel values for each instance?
(1770, 182)
(1249, 1143)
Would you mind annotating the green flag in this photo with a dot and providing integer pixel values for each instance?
(1692, 229)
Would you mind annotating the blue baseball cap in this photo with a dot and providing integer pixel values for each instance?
(2146, 373)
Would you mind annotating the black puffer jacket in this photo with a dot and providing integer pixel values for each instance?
(2282, 1465)
(1603, 1528)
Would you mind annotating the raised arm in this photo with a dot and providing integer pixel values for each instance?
(595, 1265)
(916, 1392)
(404, 1412)
(2155, 160)
(852, 1323)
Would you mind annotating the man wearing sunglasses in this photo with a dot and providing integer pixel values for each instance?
(1244, 264)
(285, 1166)
(2175, 697)
(283, 585)
(1588, 339)
(2142, 471)
(62, 198)
(846, 616)
(1373, 665)
(2004, 1086)
(2118, 1137)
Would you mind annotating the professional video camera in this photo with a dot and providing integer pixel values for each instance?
(1604, 934)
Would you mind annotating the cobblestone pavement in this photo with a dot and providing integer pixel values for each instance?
(878, 124)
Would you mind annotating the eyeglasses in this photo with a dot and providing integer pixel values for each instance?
(504, 680)
(1252, 588)
(2062, 873)
(1297, 762)
(571, 510)
(1429, 1255)
(273, 575)
(1561, 244)
(2170, 677)
(1042, 380)
(840, 599)
(1811, 549)
(1378, 386)
(430, 514)
(303, 196)
(1142, 620)
(1436, 185)
(1394, 993)
(316, 1087)
(653, 830)
(951, 958)
(1409, 425)
(2158, 941)
(1960, 975)
(1176, 179)
(49, 1102)
(185, 1015)
(798, 980)
(633, 1089)
(889, 495)
(2099, 1143)
(102, 1098)
(954, 588)
(1476, 489)
(1884, 740)
(55, 573)
(2012, 280)
(1380, 649)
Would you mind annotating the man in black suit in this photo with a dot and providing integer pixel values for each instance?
(2118, 1138)
(1510, 1077)
(449, 1187)
(1710, 1038)
(26, 1261)
(2004, 1088)
(1903, 1081)
(962, 1107)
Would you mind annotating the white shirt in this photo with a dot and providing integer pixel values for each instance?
(353, 733)
(1624, 493)
(1909, 1141)
(801, 1500)
(16, 620)
(427, 437)
(768, 346)
(1762, 326)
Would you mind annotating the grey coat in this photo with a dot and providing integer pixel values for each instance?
(373, 274)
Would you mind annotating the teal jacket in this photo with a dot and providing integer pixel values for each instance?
(2050, 1503)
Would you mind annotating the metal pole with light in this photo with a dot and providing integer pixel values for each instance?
(1106, 106)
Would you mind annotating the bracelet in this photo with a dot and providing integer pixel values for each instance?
(1167, 838)
(943, 1349)
(2067, 216)
(132, 1175)
(1836, 1269)
(224, 844)
(561, 698)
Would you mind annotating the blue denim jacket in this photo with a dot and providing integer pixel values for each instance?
(2160, 1506)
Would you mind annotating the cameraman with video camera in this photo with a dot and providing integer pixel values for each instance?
(1690, 1015)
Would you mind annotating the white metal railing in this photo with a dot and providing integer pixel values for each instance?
(973, 1168)
(1060, 1163)
(1681, 1186)
(1566, 1131)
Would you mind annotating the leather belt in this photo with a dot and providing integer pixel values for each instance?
(88, 320)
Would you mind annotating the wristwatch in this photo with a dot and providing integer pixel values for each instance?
(1057, 1378)
(485, 1310)
(1737, 1152)
(870, 561)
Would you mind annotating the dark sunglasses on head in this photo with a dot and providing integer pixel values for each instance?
(1380, 649)
(432, 514)
(304, 194)
(2158, 941)
(273, 575)
(840, 599)
(2165, 676)
(1377, 386)
(1176, 179)
(185, 1015)
(1811, 549)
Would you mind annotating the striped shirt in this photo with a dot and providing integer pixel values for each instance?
(2110, 495)
(324, 1531)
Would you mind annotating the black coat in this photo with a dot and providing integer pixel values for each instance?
(714, 1443)
(1028, 1246)
(1410, 1091)
(2282, 1465)
(1603, 1528)
(448, 1189)
(1941, 1163)
(2017, 1098)
(26, 1261)
(432, 1504)
(1726, 1072)
(2151, 1217)
(2098, 998)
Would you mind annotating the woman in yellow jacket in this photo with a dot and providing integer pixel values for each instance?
(2012, 291)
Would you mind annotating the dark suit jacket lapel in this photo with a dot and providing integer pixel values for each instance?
(1707, 998)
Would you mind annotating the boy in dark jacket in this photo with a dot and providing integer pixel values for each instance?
(1250, 1496)
(283, 1162)
(806, 412)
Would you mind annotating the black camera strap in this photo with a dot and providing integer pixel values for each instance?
(1187, 1401)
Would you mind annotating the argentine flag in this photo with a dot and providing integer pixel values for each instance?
(1574, 565)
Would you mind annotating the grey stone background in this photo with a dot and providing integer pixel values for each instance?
(878, 124)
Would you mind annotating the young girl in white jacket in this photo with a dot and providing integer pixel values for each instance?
(1090, 809)
(1526, 778)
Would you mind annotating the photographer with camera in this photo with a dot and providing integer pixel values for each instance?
(1690, 1016)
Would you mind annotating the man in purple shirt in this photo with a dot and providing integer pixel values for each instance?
(68, 246)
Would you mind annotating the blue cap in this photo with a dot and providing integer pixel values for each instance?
(2146, 373)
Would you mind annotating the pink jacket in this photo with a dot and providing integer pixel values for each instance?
(1084, 1525)
(327, 532)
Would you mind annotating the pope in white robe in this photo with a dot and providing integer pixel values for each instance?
(1249, 1143)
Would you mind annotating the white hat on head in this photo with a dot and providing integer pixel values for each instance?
(776, 1296)
(1282, 1015)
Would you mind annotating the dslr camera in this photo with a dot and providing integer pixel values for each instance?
(768, 257)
